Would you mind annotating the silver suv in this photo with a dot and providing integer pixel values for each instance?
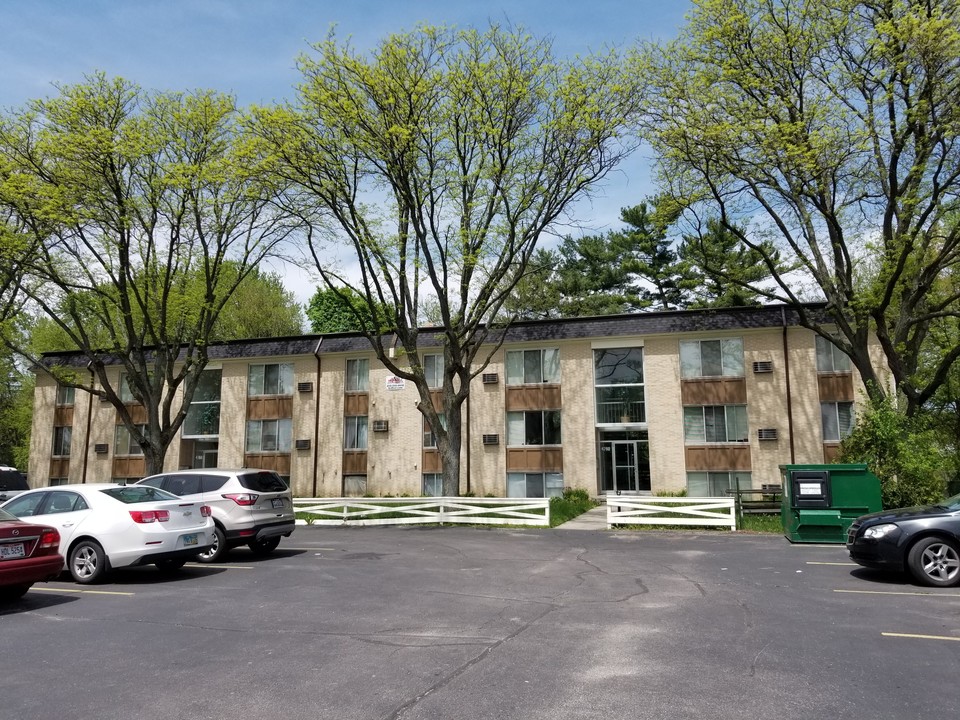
(249, 507)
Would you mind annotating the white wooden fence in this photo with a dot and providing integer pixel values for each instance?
(635, 510)
(426, 510)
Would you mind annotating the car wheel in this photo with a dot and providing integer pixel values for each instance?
(170, 564)
(13, 592)
(88, 562)
(265, 546)
(935, 561)
(217, 550)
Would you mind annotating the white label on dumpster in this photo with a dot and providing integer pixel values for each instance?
(811, 488)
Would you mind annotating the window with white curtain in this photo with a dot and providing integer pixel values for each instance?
(358, 375)
(533, 427)
(711, 358)
(355, 432)
(837, 420)
(715, 424)
(533, 367)
(830, 358)
(272, 379)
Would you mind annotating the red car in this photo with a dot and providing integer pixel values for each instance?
(28, 554)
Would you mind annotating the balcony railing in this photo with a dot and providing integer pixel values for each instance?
(626, 411)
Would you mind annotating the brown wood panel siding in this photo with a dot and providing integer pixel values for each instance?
(723, 457)
(63, 416)
(356, 404)
(535, 459)
(129, 467)
(269, 408)
(714, 391)
(835, 387)
(278, 462)
(138, 413)
(534, 397)
(431, 462)
(60, 467)
(436, 397)
(354, 462)
(830, 452)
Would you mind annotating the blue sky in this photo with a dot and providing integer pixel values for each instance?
(249, 48)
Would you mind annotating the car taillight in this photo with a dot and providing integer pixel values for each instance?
(50, 540)
(204, 511)
(149, 516)
(243, 498)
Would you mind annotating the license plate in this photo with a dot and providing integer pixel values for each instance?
(277, 502)
(190, 539)
(12, 550)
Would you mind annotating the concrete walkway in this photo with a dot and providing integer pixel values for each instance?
(593, 519)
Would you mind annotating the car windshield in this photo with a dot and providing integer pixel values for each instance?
(951, 503)
(133, 494)
(4, 515)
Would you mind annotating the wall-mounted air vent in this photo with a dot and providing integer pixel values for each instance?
(763, 366)
(492, 439)
(767, 434)
(381, 425)
(101, 448)
(490, 378)
(305, 387)
(303, 444)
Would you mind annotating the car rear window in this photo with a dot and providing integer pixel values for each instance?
(262, 482)
(133, 494)
(13, 480)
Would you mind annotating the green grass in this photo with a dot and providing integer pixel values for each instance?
(761, 523)
(572, 503)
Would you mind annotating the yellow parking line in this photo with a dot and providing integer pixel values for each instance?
(921, 637)
(890, 592)
(220, 567)
(844, 564)
(85, 592)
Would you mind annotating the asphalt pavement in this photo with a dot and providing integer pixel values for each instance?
(450, 622)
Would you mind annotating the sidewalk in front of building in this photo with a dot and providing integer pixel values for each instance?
(593, 519)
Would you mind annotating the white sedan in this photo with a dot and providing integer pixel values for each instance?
(104, 526)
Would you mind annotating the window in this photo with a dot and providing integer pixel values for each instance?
(126, 393)
(54, 481)
(533, 367)
(65, 395)
(533, 427)
(355, 485)
(61, 441)
(711, 358)
(715, 424)
(358, 375)
(264, 436)
(124, 443)
(534, 485)
(275, 379)
(203, 415)
(60, 501)
(830, 358)
(432, 485)
(618, 377)
(433, 370)
(355, 432)
(429, 438)
(716, 484)
(836, 420)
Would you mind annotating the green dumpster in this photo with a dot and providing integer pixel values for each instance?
(821, 501)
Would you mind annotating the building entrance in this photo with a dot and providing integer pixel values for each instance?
(624, 462)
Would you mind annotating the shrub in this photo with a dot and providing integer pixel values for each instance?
(573, 502)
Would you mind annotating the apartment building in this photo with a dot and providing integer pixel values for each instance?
(661, 401)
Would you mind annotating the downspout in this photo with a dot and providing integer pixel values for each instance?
(86, 431)
(467, 438)
(316, 419)
(786, 367)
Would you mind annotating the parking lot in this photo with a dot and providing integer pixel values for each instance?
(489, 623)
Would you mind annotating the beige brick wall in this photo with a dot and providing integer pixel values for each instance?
(579, 433)
(661, 377)
(488, 463)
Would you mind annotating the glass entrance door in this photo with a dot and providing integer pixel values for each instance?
(624, 462)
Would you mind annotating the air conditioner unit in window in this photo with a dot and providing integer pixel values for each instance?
(767, 434)
(490, 378)
(101, 448)
(303, 444)
(381, 425)
(305, 387)
(763, 366)
(492, 439)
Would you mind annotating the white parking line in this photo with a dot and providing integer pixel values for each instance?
(76, 590)
(219, 567)
(890, 592)
(842, 564)
(921, 637)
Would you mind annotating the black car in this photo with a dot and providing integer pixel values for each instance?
(12, 482)
(922, 540)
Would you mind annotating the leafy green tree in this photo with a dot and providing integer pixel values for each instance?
(441, 158)
(136, 219)
(904, 452)
(341, 309)
(259, 307)
(826, 130)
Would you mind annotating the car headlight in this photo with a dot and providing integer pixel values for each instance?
(878, 531)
